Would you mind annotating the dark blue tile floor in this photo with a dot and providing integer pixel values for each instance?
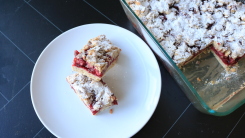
(28, 26)
(18, 118)
(14, 76)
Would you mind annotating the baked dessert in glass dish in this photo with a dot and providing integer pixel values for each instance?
(186, 28)
(211, 88)
(96, 95)
(96, 57)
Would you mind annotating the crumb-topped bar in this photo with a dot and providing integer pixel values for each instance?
(96, 57)
(96, 95)
(184, 28)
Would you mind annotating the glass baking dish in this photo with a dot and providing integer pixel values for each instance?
(204, 81)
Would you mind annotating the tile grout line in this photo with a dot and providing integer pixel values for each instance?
(44, 17)
(38, 132)
(100, 12)
(236, 124)
(3, 106)
(17, 47)
(177, 120)
(14, 96)
(4, 97)
(19, 91)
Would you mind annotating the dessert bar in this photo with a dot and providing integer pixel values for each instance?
(185, 28)
(96, 95)
(96, 57)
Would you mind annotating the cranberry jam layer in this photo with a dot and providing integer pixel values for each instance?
(96, 57)
(95, 111)
(96, 95)
(227, 60)
(81, 63)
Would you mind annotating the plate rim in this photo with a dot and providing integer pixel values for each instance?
(91, 24)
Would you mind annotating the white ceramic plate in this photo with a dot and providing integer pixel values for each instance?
(135, 80)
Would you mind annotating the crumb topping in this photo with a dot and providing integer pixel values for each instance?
(185, 27)
(95, 94)
(99, 52)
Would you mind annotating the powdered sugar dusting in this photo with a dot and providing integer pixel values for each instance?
(185, 27)
(99, 52)
(92, 92)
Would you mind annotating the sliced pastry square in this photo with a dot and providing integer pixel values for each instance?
(229, 51)
(224, 58)
(96, 95)
(96, 57)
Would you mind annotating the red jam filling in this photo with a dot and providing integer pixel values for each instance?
(229, 61)
(76, 52)
(83, 64)
(115, 102)
(93, 111)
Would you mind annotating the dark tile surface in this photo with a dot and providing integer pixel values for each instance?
(18, 118)
(202, 125)
(8, 10)
(26, 28)
(3, 101)
(31, 35)
(44, 133)
(62, 15)
(15, 70)
(239, 128)
(114, 11)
